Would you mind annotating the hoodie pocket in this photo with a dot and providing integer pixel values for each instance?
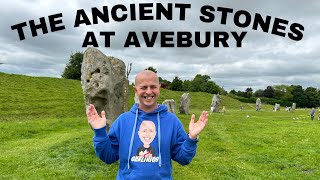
(142, 171)
(135, 175)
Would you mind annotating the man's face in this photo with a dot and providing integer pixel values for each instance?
(147, 89)
(147, 132)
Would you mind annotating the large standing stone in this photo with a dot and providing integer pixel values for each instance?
(258, 104)
(184, 103)
(215, 103)
(104, 83)
(171, 104)
(294, 106)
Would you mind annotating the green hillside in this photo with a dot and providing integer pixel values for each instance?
(45, 135)
(25, 97)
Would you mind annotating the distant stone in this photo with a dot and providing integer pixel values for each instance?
(294, 106)
(276, 107)
(171, 105)
(215, 103)
(224, 109)
(258, 104)
(184, 103)
(104, 83)
(136, 99)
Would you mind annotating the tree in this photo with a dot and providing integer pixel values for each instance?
(212, 88)
(299, 95)
(198, 84)
(201, 83)
(164, 80)
(312, 97)
(151, 68)
(241, 93)
(248, 93)
(222, 91)
(73, 68)
(176, 84)
(258, 93)
(185, 85)
(233, 92)
(268, 92)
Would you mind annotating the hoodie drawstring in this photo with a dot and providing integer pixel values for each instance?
(132, 136)
(159, 139)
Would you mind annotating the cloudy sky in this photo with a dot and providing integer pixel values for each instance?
(263, 58)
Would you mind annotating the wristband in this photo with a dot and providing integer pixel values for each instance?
(196, 139)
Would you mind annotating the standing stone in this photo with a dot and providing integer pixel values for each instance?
(276, 107)
(184, 103)
(294, 106)
(104, 83)
(224, 110)
(171, 105)
(136, 99)
(215, 103)
(258, 104)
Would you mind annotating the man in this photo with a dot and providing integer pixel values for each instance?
(122, 141)
(312, 112)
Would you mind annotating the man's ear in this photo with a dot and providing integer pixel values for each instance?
(134, 88)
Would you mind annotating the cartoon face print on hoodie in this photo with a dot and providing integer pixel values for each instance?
(147, 133)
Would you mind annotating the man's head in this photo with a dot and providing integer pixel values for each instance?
(147, 132)
(147, 89)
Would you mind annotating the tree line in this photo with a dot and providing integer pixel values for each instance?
(200, 83)
(284, 95)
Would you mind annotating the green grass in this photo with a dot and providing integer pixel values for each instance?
(45, 135)
(24, 97)
(265, 145)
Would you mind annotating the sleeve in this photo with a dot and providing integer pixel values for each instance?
(106, 146)
(183, 148)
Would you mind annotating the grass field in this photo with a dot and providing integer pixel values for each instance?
(44, 135)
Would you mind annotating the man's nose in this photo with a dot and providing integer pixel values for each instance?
(148, 90)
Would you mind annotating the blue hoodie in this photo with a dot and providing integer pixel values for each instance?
(134, 140)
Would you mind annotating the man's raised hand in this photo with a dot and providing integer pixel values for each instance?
(94, 119)
(196, 128)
